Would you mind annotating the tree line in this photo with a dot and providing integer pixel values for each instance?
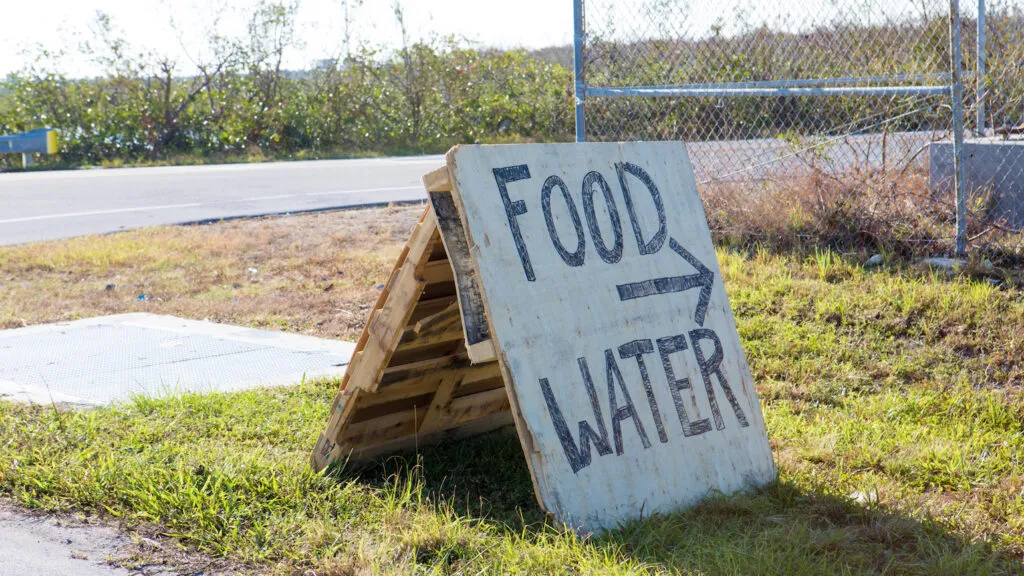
(423, 97)
(238, 101)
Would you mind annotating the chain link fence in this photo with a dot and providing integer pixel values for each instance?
(824, 119)
(995, 156)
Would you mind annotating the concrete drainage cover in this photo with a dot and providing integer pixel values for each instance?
(103, 360)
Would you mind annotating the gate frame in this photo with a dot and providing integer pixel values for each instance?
(842, 86)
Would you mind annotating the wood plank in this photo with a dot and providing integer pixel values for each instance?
(474, 320)
(382, 429)
(411, 340)
(478, 372)
(416, 237)
(437, 180)
(420, 241)
(321, 455)
(426, 227)
(406, 422)
(369, 411)
(366, 333)
(470, 374)
(472, 379)
(430, 364)
(438, 322)
(387, 329)
(439, 290)
(467, 408)
(482, 351)
(445, 326)
(414, 352)
(439, 405)
(437, 271)
(341, 412)
(483, 385)
(557, 313)
(402, 391)
(361, 456)
(380, 335)
(425, 308)
(410, 379)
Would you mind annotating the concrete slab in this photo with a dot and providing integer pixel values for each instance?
(994, 172)
(98, 361)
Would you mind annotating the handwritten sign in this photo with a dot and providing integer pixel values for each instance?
(618, 348)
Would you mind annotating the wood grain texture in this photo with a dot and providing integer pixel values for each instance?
(437, 180)
(410, 378)
(361, 456)
(614, 334)
(474, 321)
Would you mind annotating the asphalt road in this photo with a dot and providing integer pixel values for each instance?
(37, 206)
(40, 546)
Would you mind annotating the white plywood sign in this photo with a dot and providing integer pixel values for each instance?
(618, 347)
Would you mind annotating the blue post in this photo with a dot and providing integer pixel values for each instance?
(42, 141)
(579, 90)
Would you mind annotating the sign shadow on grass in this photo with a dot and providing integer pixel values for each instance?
(784, 528)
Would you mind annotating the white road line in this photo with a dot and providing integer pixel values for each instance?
(390, 189)
(258, 198)
(199, 204)
(202, 170)
(98, 212)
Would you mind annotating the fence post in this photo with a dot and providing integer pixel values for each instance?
(957, 97)
(579, 90)
(982, 55)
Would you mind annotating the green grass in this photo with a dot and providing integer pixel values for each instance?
(892, 399)
(256, 156)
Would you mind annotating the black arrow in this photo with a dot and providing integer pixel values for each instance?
(704, 279)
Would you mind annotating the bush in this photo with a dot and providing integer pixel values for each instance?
(422, 98)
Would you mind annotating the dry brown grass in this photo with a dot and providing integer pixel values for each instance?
(892, 212)
(316, 273)
(859, 210)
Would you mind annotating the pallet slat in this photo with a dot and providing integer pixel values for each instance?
(437, 272)
(411, 378)
(474, 322)
(482, 425)
(437, 180)
(408, 422)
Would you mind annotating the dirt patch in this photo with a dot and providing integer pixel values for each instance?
(316, 274)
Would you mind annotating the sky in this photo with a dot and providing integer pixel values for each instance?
(177, 27)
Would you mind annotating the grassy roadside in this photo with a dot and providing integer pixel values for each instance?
(314, 273)
(892, 398)
(259, 156)
(256, 156)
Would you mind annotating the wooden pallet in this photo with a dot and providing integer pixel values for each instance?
(435, 362)
(424, 368)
